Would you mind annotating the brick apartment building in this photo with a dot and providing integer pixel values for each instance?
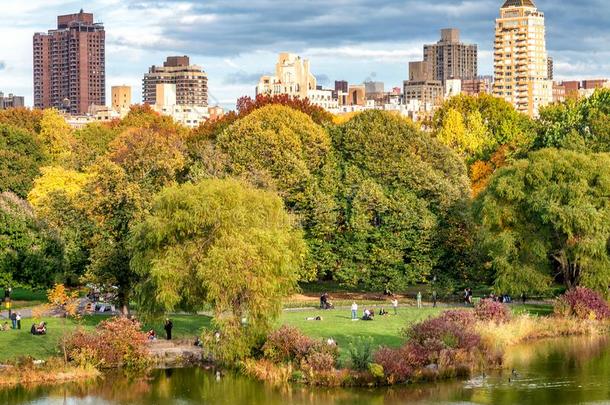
(69, 65)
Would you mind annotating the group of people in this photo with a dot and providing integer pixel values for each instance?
(168, 326)
(502, 298)
(15, 318)
(468, 296)
(368, 315)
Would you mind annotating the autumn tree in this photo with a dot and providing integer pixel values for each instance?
(220, 243)
(24, 118)
(546, 218)
(21, 156)
(56, 136)
(246, 105)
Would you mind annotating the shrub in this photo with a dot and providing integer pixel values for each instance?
(460, 316)
(396, 363)
(115, 343)
(361, 353)
(288, 344)
(582, 303)
(488, 310)
(376, 370)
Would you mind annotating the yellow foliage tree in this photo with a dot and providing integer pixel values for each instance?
(55, 179)
(467, 136)
(56, 135)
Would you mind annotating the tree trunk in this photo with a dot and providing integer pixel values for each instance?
(123, 298)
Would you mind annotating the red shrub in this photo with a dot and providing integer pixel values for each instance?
(116, 342)
(583, 303)
(460, 316)
(396, 363)
(288, 344)
(488, 310)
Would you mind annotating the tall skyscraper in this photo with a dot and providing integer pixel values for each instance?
(450, 58)
(190, 80)
(69, 64)
(520, 57)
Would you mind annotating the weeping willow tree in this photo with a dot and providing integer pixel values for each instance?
(547, 218)
(223, 244)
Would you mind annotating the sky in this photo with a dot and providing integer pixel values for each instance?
(236, 41)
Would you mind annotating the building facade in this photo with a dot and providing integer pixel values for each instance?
(70, 65)
(520, 57)
(451, 59)
(190, 80)
(422, 87)
(480, 85)
(11, 101)
(292, 77)
(121, 98)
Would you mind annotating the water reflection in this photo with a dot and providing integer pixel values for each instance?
(566, 371)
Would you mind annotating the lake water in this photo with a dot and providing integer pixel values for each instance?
(564, 371)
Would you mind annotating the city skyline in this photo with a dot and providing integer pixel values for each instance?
(235, 44)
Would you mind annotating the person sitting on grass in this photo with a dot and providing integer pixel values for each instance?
(5, 327)
(312, 318)
(40, 329)
(151, 335)
(368, 315)
(382, 312)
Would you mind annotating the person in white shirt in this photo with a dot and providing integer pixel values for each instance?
(354, 311)
(395, 306)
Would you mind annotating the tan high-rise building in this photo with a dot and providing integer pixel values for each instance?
(70, 64)
(520, 57)
(190, 80)
(121, 98)
(450, 58)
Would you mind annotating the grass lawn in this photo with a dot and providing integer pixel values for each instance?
(18, 343)
(384, 330)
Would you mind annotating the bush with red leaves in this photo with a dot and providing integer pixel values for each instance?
(115, 343)
(488, 310)
(583, 303)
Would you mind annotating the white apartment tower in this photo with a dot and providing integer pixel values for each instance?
(292, 77)
(520, 57)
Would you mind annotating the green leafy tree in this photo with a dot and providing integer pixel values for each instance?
(30, 253)
(220, 243)
(547, 218)
(396, 184)
(114, 205)
(21, 156)
(576, 124)
(91, 142)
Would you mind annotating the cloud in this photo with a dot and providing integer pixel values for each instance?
(2, 65)
(242, 77)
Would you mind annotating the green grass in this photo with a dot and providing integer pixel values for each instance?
(384, 330)
(533, 309)
(19, 343)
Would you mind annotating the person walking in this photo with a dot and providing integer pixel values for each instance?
(354, 311)
(168, 328)
(419, 299)
(395, 305)
(18, 318)
(434, 297)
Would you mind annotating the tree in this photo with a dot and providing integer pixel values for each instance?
(55, 199)
(114, 205)
(56, 136)
(468, 137)
(246, 105)
(30, 254)
(283, 150)
(91, 142)
(547, 217)
(396, 184)
(151, 158)
(21, 156)
(23, 118)
(221, 243)
(576, 124)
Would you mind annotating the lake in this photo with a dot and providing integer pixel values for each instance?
(559, 371)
